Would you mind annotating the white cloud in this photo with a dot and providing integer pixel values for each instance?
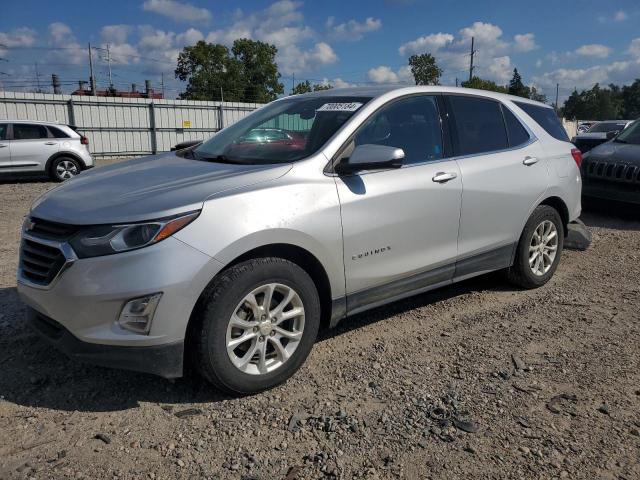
(115, 33)
(69, 50)
(18, 37)
(189, 37)
(525, 42)
(500, 69)
(384, 74)
(179, 11)
(352, 30)
(583, 78)
(620, 16)
(593, 50)
(634, 48)
(281, 24)
(429, 43)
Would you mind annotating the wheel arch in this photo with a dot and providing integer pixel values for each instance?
(52, 158)
(295, 254)
(561, 207)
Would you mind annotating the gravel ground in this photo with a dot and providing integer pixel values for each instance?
(474, 381)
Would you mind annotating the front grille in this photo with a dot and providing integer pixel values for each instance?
(40, 263)
(52, 230)
(612, 171)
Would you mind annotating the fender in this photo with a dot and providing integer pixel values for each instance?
(47, 166)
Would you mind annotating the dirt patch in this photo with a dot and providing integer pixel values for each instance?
(479, 380)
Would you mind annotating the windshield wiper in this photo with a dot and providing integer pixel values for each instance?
(220, 159)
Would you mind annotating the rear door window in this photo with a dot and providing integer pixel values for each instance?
(57, 133)
(545, 117)
(27, 131)
(478, 125)
(518, 135)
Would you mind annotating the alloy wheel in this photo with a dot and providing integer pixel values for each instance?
(265, 329)
(543, 247)
(66, 170)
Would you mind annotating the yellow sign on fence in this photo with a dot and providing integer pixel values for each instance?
(186, 124)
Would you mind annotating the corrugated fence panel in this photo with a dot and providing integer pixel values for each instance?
(126, 126)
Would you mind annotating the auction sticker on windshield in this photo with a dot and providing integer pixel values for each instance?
(340, 107)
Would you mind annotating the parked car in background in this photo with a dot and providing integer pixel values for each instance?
(584, 126)
(233, 257)
(598, 133)
(52, 149)
(612, 170)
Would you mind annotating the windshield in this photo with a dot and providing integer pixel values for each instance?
(281, 132)
(604, 127)
(631, 134)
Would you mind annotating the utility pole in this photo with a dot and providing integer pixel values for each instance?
(162, 83)
(221, 95)
(293, 82)
(557, 94)
(456, 81)
(92, 75)
(38, 79)
(109, 63)
(473, 52)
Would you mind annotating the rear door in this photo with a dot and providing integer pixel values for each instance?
(400, 226)
(31, 146)
(5, 148)
(504, 175)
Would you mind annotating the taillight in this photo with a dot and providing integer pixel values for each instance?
(577, 156)
(84, 140)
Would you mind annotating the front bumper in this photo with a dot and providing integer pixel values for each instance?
(617, 191)
(163, 360)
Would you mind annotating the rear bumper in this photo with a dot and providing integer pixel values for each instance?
(163, 360)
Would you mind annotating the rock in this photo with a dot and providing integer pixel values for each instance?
(517, 362)
(468, 448)
(524, 450)
(189, 412)
(604, 408)
(465, 426)
(104, 437)
(635, 432)
(578, 237)
(180, 463)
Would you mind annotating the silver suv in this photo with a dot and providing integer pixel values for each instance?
(53, 149)
(233, 253)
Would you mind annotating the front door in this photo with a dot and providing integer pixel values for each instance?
(400, 226)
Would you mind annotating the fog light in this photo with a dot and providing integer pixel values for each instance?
(137, 313)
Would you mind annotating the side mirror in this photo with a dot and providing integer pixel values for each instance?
(371, 157)
(611, 135)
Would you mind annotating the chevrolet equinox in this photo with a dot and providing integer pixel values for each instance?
(232, 254)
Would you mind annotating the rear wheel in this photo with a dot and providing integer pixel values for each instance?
(64, 168)
(257, 324)
(539, 249)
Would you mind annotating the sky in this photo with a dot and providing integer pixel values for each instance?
(575, 43)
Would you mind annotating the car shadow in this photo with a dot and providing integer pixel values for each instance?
(610, 214)
(33, 374)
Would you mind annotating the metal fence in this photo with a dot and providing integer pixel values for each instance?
(126, 126)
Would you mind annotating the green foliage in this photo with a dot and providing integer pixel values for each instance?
(482, 84)
(425, 70)
(600, 103)
(306, 87)
(247, 73)
(517, 87)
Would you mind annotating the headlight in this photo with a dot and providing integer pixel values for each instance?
(109, 239)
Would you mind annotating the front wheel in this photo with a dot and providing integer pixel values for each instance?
(539, 249)
(257, 324)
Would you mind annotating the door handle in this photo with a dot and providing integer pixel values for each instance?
(50, 143)
(443, 177)
(528, 161)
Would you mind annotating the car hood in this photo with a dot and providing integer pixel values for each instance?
(146, 188)
(616, 152)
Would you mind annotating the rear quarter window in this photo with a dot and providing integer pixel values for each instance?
(57, 133)
(545, 117)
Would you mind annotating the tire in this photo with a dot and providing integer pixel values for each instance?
(64, 168)
(226, 296)
(521, 273)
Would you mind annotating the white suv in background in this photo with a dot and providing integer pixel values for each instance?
(55, 149)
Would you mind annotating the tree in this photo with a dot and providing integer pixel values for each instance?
(535, 95)
(247, 73)
(306, 87)
(595, 104)
(516, 87)
(482, 84)
(425, 70)
(631, 100)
